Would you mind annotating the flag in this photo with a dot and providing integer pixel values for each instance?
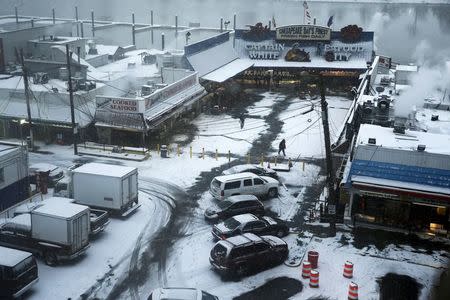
(330, 21)
(308, 16)
(273, 21)
(305, 5)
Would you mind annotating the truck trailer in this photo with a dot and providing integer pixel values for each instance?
(102, 186)
(56, 232)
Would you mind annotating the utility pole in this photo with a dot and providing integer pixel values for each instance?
(331, 201)
(27, 97)
(72, 110)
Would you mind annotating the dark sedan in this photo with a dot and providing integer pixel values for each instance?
(235, 205)
(255, 169)
(246, 223)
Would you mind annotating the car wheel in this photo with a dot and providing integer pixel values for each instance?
(273, 192)
(281, 233)
(50, 258)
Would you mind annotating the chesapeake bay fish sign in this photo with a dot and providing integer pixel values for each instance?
(303, 33)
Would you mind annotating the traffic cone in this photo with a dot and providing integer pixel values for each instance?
(314, 279)
(352, 291)
(348, 269)
(306, 270)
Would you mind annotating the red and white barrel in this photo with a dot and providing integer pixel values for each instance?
(306, 269)
(348, 269)
(352, 291)
(314, 279)
(313, 258)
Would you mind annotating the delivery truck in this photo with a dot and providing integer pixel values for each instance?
(18, 272)
(102, 186)
(55, 232)
(99, 219)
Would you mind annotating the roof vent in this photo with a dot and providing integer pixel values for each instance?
(434, 117)
(373, 141)
(421, 148)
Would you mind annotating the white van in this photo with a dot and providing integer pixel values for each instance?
(246, 183)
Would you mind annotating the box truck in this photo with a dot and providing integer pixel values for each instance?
(99, 219)
(102, 186)
(56, 232)
(18, 272)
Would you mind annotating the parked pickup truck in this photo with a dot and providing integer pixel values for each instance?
(99, 219)
(55, 232)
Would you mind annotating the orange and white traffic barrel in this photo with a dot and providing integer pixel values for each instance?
(314, 279)
(348, 269)
(352, 291)
(306, 270)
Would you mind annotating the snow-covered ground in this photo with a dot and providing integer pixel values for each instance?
(111, 256)
(302, 127)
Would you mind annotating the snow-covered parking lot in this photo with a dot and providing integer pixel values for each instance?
(167, 241)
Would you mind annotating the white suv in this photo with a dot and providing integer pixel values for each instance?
(246, 183)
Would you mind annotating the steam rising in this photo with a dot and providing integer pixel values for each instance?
(433, 76)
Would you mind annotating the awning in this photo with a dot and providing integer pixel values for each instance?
(229, 70)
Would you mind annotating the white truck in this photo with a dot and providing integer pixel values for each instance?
(55, 232)
(103, 186)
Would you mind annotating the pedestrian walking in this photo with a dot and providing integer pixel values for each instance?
(242, 120)
(282, 147)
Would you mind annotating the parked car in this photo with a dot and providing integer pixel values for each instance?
(246, 183)
(235, 205)
(255, 169)
(243, 253)
(55, 173)
(244, 223)
(18, 272)
(180, 294)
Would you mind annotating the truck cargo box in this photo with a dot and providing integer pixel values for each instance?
(61, 223)
(105, 186)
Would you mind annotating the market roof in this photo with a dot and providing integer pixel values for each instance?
(4, 149)
(229, 70)
(104, 169)
(407, 68)
(11, 257)
(386, 138)
(62, 209)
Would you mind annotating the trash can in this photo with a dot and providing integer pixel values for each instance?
(163, 151)
(313, 258)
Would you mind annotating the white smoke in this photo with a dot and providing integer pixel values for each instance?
(433, 76)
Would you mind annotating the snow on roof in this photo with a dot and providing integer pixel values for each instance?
(61, 209)
(239, 198)
(104, 170)
(4, 149)
(441, 126)
(406, 68)
(229, 70)
(57, 40)
(244, 218)
(385, 137)
(58, 200)
(106, 49)
(235, 176)
(24, 220)
(213, 58)
(11, 257)
(243, 239)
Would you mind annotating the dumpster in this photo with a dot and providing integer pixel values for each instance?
(164, 151)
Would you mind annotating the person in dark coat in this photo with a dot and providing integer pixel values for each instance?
(282, 147)
(242, 120)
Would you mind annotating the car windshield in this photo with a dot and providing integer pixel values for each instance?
(24, 266)
(225, 204)
(231, 223)
(216, 183)
(207, 296)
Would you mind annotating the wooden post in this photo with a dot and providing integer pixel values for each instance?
(157, 148)
(275, 161)
(248, 158)
(217, 155)
(203, 153)
(229, 156)
(190, 151)
(262, 160)
(303, 166)
(178, 150)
